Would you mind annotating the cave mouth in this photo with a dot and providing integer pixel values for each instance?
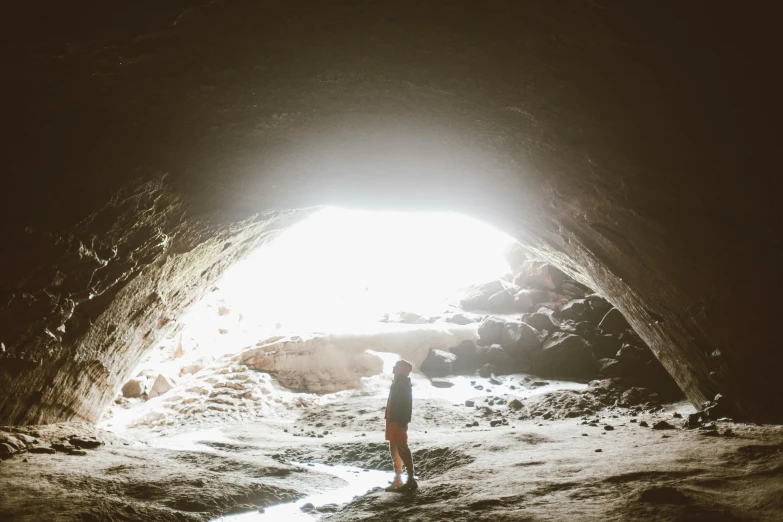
(336, 298)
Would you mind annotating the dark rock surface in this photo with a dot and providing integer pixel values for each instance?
(438, 363)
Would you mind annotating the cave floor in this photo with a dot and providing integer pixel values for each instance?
(526, 470)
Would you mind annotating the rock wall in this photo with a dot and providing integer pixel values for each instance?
(88, 305)
(628, 144)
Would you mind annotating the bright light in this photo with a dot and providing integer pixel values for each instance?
(341, 267)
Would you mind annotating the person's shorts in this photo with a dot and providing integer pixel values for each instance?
(396, 433)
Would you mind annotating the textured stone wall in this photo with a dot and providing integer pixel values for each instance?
(629, 143)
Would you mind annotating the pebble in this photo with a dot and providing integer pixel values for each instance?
(609, 428)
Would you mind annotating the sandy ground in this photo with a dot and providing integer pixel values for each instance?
(530, 469)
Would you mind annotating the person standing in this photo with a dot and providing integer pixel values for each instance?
(399, 407)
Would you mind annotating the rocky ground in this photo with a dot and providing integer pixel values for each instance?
(551, 456)
(494, 437)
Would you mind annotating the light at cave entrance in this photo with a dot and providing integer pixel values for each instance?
(341, 267)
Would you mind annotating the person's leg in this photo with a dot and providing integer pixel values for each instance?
(405, 454)
(397, 460)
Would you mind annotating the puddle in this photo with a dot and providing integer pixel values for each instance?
(359, 481)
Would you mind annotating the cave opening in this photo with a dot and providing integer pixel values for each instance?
(327, 307)
(627, 146)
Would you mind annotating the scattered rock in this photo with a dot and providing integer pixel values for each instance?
(609, 428)
(643, 424)
(441, 383)
(495, 422)
(662, 425)
(469, 403)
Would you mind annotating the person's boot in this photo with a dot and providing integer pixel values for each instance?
(411, 485)
(396, 484)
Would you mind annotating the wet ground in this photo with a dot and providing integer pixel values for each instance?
(606, 466)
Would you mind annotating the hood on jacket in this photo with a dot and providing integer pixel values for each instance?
(403, 368)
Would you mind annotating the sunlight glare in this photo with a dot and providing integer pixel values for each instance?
(340, 267)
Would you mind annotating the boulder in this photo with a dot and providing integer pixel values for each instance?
(542, 320)
(604, 345)
(522, 302)
(438, 363)
(465, 350)
(486, 371)
(134, 388)
(468, 359)
(613, 322)
(501, 302)
(572, 290)
(693, 421)
(6, 450)
(496, 356)
(662, 425)
(597, 307)
(515, 255)
(608, 368)
(407, 318)
(633, 396)
(196, 365)
(161, 385)
(13, 442)
(579, 328)
(478, 297)
(462, 319)
(566, 355)
(716, 408)
(519, 339)
(42, 450)
(490, 331)
(539, 275)
(634, 355)
(574, 310)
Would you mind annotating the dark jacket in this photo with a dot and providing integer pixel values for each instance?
(400, 401)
